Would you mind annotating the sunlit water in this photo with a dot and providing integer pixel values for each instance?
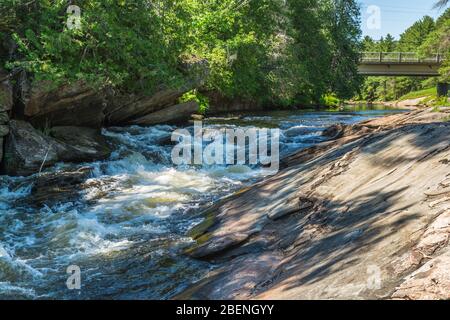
(128, 230)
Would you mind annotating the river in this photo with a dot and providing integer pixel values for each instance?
(127, 232)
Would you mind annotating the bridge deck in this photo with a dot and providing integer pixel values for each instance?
(399, 64)
(398, 57)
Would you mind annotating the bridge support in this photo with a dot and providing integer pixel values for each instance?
(442, 89)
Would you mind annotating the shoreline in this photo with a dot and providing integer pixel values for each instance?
(408, 104)
(245, 112)
(368, 200)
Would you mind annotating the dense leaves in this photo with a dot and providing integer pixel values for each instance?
(269, 51)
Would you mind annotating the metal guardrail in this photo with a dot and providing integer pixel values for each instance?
(398, 57)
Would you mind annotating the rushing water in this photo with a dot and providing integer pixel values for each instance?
(128, 230)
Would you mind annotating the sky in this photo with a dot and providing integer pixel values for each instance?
(394, 16)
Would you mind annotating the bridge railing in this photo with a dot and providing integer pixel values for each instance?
(398, 57)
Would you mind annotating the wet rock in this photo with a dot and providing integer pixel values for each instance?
(156, 157)
(335, 131)
(298, 131)
(97, 189)
(28, 150)
(217, 245)
(82, 144)
(165, 140)
(61, 186)
(131, 130)
(174, 114)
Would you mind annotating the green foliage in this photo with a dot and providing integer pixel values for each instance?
(385, 44)
(119, 43)
(194, 95)
(330, 100)
(235, 38)
(441, 102)
(268, 51)
(343, 35)
(415, 35)
(429, 96)
(438, 41)
(429, 92)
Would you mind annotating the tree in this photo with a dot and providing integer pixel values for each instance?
(415, 35)
(439, 42)
(235, 37)
(368, 44)
(129, 45)
(309, 44)
(388, 44)
(344, 40)
(266, 51)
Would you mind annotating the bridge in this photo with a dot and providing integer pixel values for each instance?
(399, 64)
(402, 64)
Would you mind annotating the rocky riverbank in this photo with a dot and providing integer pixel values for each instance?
(408, 104)
(43, 123)
(365, 215)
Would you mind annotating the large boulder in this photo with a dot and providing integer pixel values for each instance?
(174, 114)
(78, 104)
(129, 109)
(82, 144)
(28, 150)
(74, 104)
